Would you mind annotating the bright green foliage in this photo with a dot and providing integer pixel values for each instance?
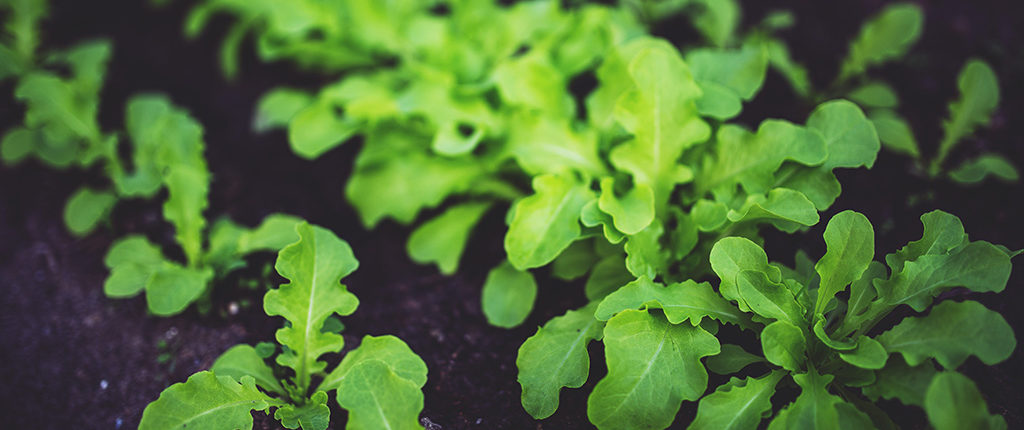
(685, 301)
(886, 36)
(20, 36)
(314, 265)
(555, 357)
(138, 265)
(653, 366)
(207, 401)
(86, 208)
(544, 224)
(737, 404)
(825, 347)
(442, 239)
(379, 382)
(950, 333)
(508, 296)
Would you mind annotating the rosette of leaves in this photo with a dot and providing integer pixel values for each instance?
(379, 383)
(655, 335)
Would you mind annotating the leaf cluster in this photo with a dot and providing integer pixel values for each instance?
(378, 383)
(812, 333)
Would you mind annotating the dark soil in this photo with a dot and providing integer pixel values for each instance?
(71, 358)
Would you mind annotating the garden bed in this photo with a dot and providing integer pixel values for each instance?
(76, 359)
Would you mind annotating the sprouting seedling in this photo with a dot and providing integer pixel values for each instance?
(378, 383)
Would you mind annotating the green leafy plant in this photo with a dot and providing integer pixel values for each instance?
(889, 36)
(378, 383)
(482, 107)
(828, 344)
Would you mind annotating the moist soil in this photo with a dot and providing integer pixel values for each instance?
(72, 358)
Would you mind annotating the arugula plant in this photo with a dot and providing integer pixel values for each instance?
(379, 383)
(828, 344)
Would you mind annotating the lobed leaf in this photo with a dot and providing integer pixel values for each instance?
(737, 404)
(555, 357)
(206, 401)
(950, 333)
(652, 367)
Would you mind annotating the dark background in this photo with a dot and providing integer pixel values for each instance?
(71, 358)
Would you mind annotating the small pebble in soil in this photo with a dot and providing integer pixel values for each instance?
(171, 332)
(233, 308)
(429, 425)
(479, 420)
(104, 384)
(118, 422)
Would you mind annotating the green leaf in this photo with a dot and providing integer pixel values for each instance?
(171, 288)
(206, 401)
(950, 333)
(275, 232)
(850, 138)
(547, 222)
(786, 209)
(131, 260)
(277, 107)
(508, 295)
(733, 255)
(578, 259)
(312, 415)
(979, 96)
(377, 398)
(838, 345)
(162, 137)
(884, 37)
(653, 366)
(387, 349)
(895, 133)
(784, 345)
(684, 301)
(314, 266)
(737, 404)
(732, 359)
(17, 144)
(978, 266)
(661, 113)
(875, 95)
(630, 213)
(317, 129)
(750, 160)
(769, 299)
(187, 189)
(709, 215)
(976, 170)
(727, 76)
(942, 233)
(816, 408)
(86, 208)
(717, 20)
(555, 357)
(382, 186)
(645, 255)
(850, 244)
(869, 354)
(954, 402)
(242, 360)
(898, 380)
(541, 144)
(862, 291)
(442, 239)
(608, 275)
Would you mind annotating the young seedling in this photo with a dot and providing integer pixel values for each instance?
(656, 335)
(378, 383)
